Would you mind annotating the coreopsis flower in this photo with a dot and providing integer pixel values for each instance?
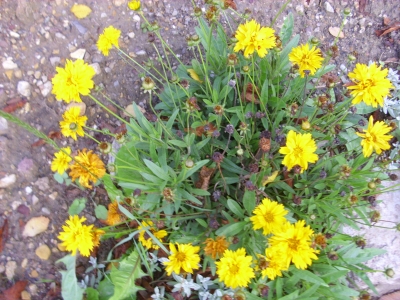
(114, 216)
(299, 150)
(134, 4)
(252, 37)
(72, 81)
(234, 268)
(108, 38)
(269, 215)
(183, 258)
(306, 59)
(87, 167)
(294, 240)
(97, 233)
(371, 84)
(145, 239)
(60, 162)
(215, 247)
(375, 137)
(72, 123)
(77, 236)
(273, 263)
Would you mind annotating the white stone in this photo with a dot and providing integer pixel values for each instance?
(96, 67)
(131, 35)
(60, 36)
(54, 60)
(141, 52)
(9, 65)
(35, 200)
(28, 190)
(136, 18)
(328, 7)
(24, 88)
(3, 126)
(300, 8)
(7, 181)
(103, 15)
(78, 54)
(10, 269)
(46, 88)
(14, 34)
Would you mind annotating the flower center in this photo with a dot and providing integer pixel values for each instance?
(73, 126)
(293, 243)
(298, 151)
(234, 269)
(268, 217)
(181, 257)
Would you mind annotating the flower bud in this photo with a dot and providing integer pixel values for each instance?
(189, 163)
(111, 168)
(240, 152)
(351, 57)
(232, 59)
(174, 78)
(197, 11)
(347, 11)
(332, 255)
(305, 125)
(105, 148)
(245, 69)
(389, 272)
(314, 41)
(240, 295)
(372, 185)
(148, 84)
(120, 138)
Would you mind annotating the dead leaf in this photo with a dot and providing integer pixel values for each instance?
(80, 10)
(362, 4)
(335, 31)
(204, 178)
(52, 135)
(3, 234)
(386, 21)
(251, 94)
(10, 108)
(14, 292)
(392, 27)
(35, 226)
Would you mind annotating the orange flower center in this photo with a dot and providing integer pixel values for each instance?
(298, 151)
(268, 217)
(293, 244)
(181, 257)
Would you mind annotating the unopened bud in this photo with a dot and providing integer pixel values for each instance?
(314, 41)
(351, 57)
(245, 69)
(240, 152)
(305, 125)
(389, 272)
(372, 185)
(197, 11)
(189, 163)
(347, 11)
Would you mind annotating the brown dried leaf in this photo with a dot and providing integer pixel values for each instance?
(386, 21)
(10, 108)
(52, 135)
(14, 292)
(362, 4)
(393, 27)
(251, 94)
(204, 178)
(3, 234)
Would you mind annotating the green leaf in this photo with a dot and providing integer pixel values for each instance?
(101, 212)
(231, 229)
(202, 222)
(178, 143)
(92, 294)
(124, 277)
(249, 201)
(77, 206)
(69, 283)
(158, 171)
(171, 119)
(111, 189)
(235, 208)
(58, 178)
(309, 276)
(287, 29)
(106, 289)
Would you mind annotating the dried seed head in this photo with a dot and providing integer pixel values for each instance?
(253, 168)
(232, 59)
(120, 138)
(197, 11)
(189, 163)
(264, 145)
(168, 194)
(245, 69)
(229, 129)
(375, 216)
(393, 177)
(213, 223)
(219, 109)
(105, 148)
(297, 200)
(360, 242)
(148, 84)
(389, 272)
(332, 255)
(216, 195)
(217, 157)
(250, 186)
(320, 240)
(137, 193)
(353, 199)
(185, 84)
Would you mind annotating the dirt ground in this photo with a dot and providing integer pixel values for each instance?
(37, 36)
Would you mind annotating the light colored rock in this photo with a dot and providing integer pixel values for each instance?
(34, 274)
(24, 263)
(43, 252)
(60, 36)
(7, 180)
(55, 60)
(9, 65)
(46, 211)
(18, 73)
(3, 126)
(328, 7)
(78, 54)
(10, 269)
(300, 8)
(81, 105)
(42, 183)
(25, 295)
(131, 35)
(96, 67)
(119, 2)
(14, 34)
(46, 88)
(35, 200)
(129, 112)
(335, 31)
(141, 52)
(24, 88)
(35, 226)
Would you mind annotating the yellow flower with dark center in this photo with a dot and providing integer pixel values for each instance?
(273, 263)
(87, 167)
(61, 160)
(107, 39)
(252, 37)
(73, 81)
(295, 241)
(183, 258)
(306, 59)
(145, 239)
(134, 4)
(114, 216)
(97, 233)
(215, 247)
(370, 84)
(299, 150)
(375, 137)
(77, 236)
(234, 268)
(72, 123)
(269, 215)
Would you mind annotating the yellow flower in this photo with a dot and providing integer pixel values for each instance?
(75, 79)
(107, 39)
(234, 268)
(270, 215)
(375, 137)
(61, 160)
(134, 4)
(87, 167)
(183, 258)
(299, 150)
(370, 84)
(97, 233)
(252, 37)
(114, 216)
(294, 240)
(145, 239)
(215, 247)
(273, 263)
(72, 123)
(306, 58)
(77, 236)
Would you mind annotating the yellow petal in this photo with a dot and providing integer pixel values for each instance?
(269, 179)
(80, 10)
(194, 75)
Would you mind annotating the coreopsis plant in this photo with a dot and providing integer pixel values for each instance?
(236, 178)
